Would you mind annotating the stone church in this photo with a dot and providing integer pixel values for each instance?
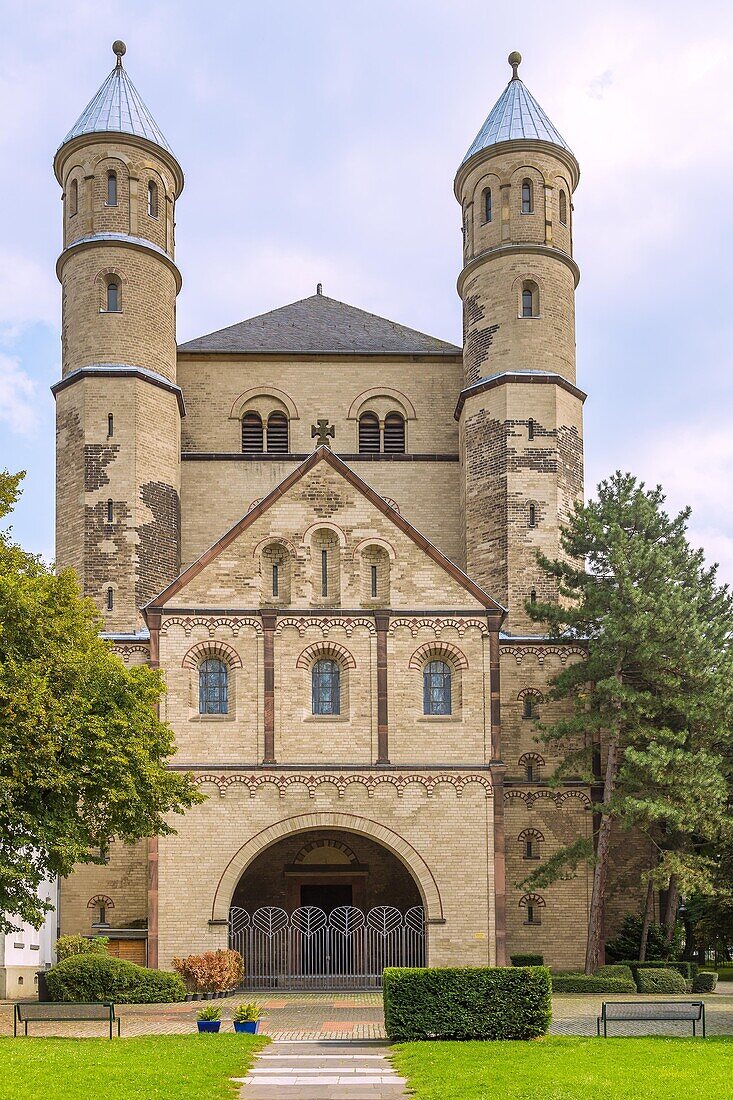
(322, 526)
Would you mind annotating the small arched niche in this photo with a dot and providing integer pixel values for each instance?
(375, 575)
(325, 551)
(275, 573)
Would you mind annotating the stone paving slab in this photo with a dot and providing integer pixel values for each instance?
(322, 1071)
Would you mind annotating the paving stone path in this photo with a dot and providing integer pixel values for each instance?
(322, 1071)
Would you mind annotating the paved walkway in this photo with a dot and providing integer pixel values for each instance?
(322, 1071)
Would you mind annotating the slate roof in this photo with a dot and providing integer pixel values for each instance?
(118, 108)
(320, 325)
(516, 116)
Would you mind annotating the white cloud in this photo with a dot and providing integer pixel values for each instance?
(18, 397)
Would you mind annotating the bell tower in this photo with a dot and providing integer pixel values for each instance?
(118, 408)
(520, 412)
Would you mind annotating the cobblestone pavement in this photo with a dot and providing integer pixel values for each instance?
(322, 1071)
(356, 1017)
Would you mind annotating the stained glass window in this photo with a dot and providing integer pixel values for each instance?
(213, 687)
(326, 687)
(436, 688)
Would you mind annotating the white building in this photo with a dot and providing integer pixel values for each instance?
(28, 950)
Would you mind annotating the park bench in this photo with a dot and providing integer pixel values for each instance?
(633, 1011)
(55, 1010)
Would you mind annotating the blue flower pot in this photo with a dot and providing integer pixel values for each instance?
(208, 1025)
(249, 1026)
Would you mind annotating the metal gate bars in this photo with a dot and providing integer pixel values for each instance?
(310, 949)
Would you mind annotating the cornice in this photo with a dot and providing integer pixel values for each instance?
(120, 370)
(532, 248)
(101, 240)
(536, 378)
(116, 137)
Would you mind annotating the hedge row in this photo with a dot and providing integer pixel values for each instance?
(94, 977)
(615, 970)
(481, 1002)
(584, 983)
(660, 980)
(688, 970)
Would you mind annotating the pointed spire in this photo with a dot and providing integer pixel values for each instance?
(118, 108)
(516, 116)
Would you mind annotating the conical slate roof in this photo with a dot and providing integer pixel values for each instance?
(118, 108)
(516, 116)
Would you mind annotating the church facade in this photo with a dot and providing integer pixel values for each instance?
(322, 526)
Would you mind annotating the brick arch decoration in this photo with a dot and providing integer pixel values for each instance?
(535, 692)
(343, 781)
(532, 899)
(438, 651)
(393, 842)
(321, 842)
(560, 799)
(244, 399)
(210, 623)
(100, 899)
(531, 758)
(303, 623)
(202, 651)
(530, 834)
(331, 650)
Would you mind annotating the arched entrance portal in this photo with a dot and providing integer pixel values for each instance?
(326, 909)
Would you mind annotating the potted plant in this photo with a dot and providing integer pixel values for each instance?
(247, 1018)
(209, 1018)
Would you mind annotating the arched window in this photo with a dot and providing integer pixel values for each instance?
(369, 434)
(533, 596)
(530, 299)
(73, 198)
(252, 438)
(110, 511)
(532, 763)
(110, 425)
(530, 706)
(532, 515)
(213, 687)
(487, 205)
(111, 189)
(563, 208)
(530, 429)
(436, 693)
(110, 599)
(530, 839)
(152, 199)
(326, 681)
(527, 202)
(394, 434)
(533, 904)
(113, 296)
(277, 433)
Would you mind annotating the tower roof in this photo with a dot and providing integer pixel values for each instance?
(516, 116)
(118, 108)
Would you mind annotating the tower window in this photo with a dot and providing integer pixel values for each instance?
(110, 425)
(110, 599)
(526, 303)
(276, 580)
(324, 572)
(373, 587)
(73, 198)
(326, 687)
(213, 687)
(487, 205)
(530, 429)
(110, 511)
(527, 197)
(530, 302)
(563, 208)
(533, 904)
(532, 515)
(111, 189)
(113, 296)
(252, 436)
(436, 688)
(530, 709)
(368, 434)
(277, 433)
(152, 199)
(394, 434)
(533, 596)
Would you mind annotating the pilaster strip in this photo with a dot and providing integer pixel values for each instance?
(269, 619)
(382, 624)
(497, 779)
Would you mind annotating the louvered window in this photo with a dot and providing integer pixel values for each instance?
(394, 434)
(369, 434)
(251, 434)
(277, 434)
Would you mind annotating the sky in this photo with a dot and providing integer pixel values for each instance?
(319, 142)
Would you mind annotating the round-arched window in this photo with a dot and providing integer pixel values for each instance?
(436, 688)
(326, 684)
(213, 687)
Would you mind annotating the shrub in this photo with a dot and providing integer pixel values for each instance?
(467, 1002)
(246, 1013)
(95, 977)
(527, 960)
(686, 969)
(66, 946)
(615, 970)
(212, 972)
(211, 1012)
(628, 942)
(704, 982)
(660, 980)
(584, 983)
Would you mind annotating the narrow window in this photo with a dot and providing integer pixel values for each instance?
(73, 198)
(277, 433)
(530, 914)
(152, 199)
(110, 599)
(527, 206)
(530, 709)
(276, 580)
(394, 434)
(213, 687)
(530, 429)
(113, 297)
(326, 688)
(252, 437)
(374, 581)
(110, 424)
(110, 511)
(528, 852)
(529, 773)
(563, 208)
(111, 189)
(533, 515)
(487, 205)
(436, 688)
(324, 572)
(102, 913)
(526, 302)
(368, 434)
(533, 596)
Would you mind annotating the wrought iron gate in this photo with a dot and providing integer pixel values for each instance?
(310, 949)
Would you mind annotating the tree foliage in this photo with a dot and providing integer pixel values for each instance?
(82, 752)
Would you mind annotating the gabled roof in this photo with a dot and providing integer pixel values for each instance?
(320, 325)
(118, 108)
(325, 454)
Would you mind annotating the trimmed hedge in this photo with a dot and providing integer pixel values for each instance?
(467, 1002)
(660, 980)
(527, 960)
(94, 977)
(686, 969)
(615, 970)
(584, 983)
(704, 982)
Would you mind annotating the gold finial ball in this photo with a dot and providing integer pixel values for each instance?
(515, 58)
(119, 49)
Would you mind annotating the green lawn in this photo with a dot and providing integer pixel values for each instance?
(165, 1067)
(559, 1068)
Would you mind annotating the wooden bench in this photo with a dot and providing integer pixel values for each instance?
(62, 1010)
(633, 1011)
